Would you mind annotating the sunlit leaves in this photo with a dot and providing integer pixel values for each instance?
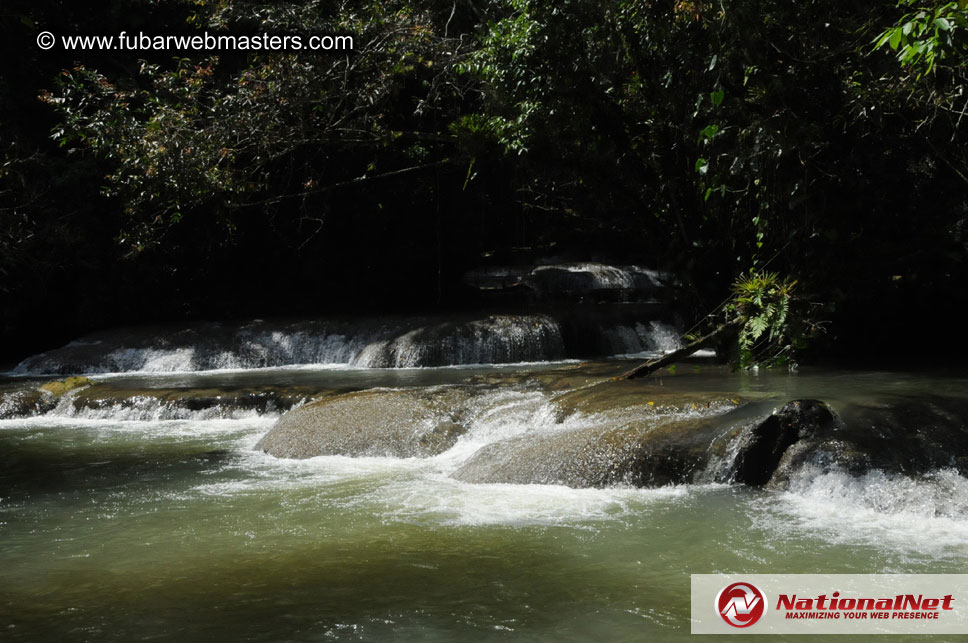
(927, 35)
(206, 136)
(767, 335)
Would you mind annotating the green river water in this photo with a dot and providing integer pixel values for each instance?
(124, 526)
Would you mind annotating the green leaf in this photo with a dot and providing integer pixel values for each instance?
(470, 170)
(717, 97)
(895, 38)
(757, 326)
(942, 24)
(883, 39)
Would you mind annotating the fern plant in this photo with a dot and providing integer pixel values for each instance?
(762, 314)
(763, 301)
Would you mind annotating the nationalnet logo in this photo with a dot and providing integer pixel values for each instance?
(741, 604)
(899, 606)
(830, 604)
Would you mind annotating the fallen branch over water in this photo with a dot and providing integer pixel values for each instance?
(656, 363)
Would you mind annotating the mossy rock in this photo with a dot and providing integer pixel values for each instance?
(59, 387)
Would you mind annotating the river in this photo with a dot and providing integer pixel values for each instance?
(150, 520)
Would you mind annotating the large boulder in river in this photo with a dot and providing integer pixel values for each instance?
(625, 437)
(378, 422)
(622, 433)
(769, 440)
(628, 440)
(896, 434)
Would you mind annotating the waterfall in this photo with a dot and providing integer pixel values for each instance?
(572, 281)
(407, 342)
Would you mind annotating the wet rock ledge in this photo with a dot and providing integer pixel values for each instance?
(618, 433)
(377, 423)
(82, 397)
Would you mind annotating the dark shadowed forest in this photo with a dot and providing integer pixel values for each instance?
(819, 140)
(483, 320)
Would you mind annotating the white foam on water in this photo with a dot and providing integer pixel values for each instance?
(161, 375)
(443, 500)
(420, 489)
(497, 416)
(150, 409)
(263, 473)
(246, 428)
(927, 514)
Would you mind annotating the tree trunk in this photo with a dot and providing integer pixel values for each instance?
(656, 363)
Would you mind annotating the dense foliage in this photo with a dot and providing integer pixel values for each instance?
(818, 139)
(772, 329)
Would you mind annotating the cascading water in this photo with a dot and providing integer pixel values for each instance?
(572, 281)
(406, 343)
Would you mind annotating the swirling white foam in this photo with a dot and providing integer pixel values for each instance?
(925, 514)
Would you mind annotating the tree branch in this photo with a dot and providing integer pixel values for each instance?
(655, 364)
(342, 184)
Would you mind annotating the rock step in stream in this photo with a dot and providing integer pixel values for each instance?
(624, 433)
(568, 426)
